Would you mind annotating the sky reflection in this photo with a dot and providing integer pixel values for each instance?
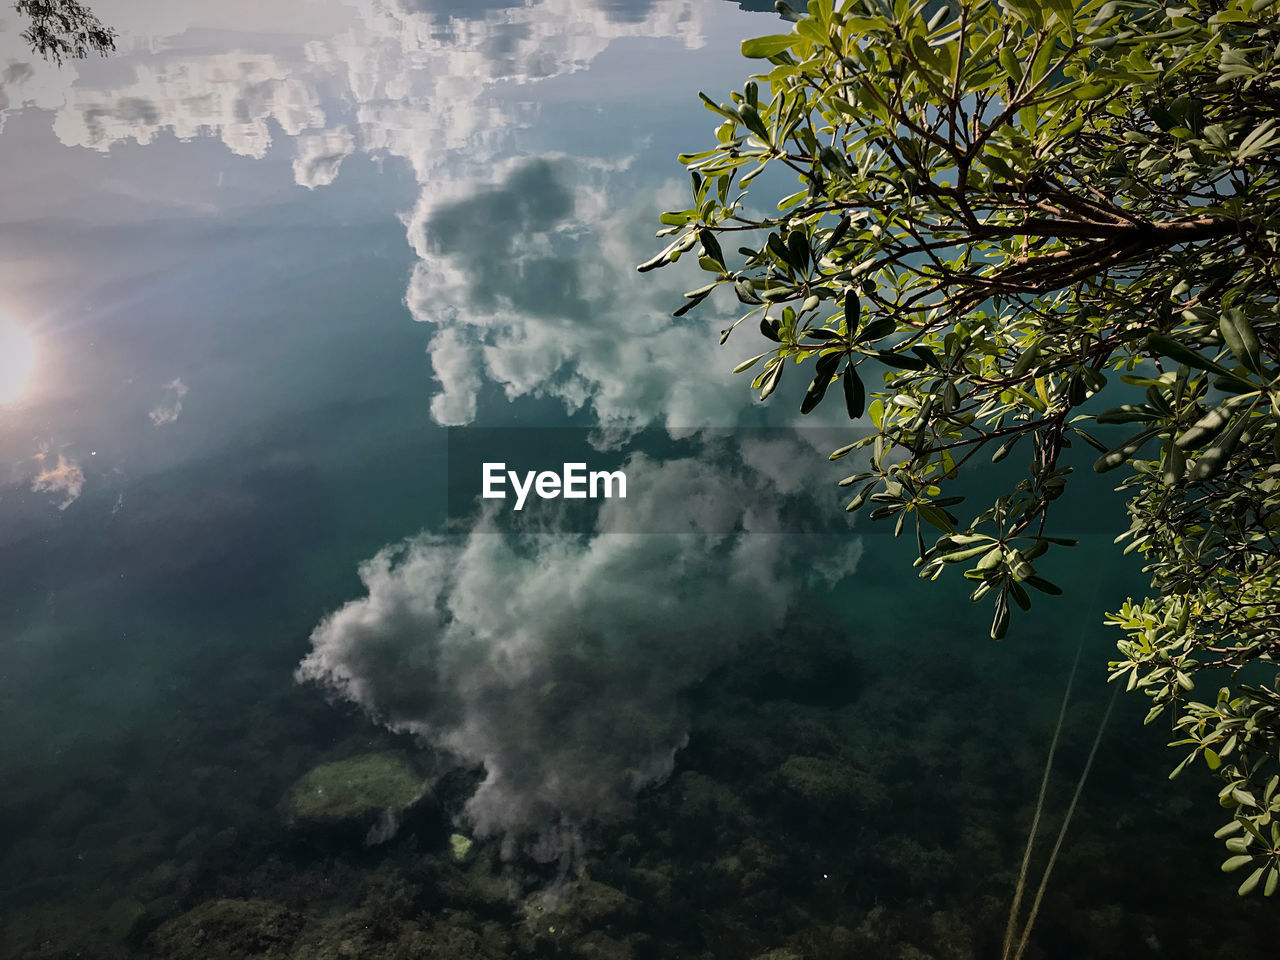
(470, 99)
(17, 359)
(227, 260)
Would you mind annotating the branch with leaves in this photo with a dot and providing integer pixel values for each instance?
(1001, 211)
(64, 30)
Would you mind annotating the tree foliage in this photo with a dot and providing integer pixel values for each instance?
(999, 212)
(64, 29)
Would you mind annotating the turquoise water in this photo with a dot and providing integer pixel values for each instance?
(268, 256)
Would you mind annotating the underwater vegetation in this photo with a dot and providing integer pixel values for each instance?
(822, 808)
(372, 784)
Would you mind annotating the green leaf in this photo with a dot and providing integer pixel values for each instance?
(751, 120)
(1005, 448)
(695, 298)
(1026, 361)
(1090, 439)
(1210, 463)
(1160, 344)
(1228, 830)
(824, 369)
(861, 498)
(820, 333)
(1122, 453)
(1128, 413)
(1250, 882)
(1239, 335)
(991, 559)
(1208, 426)
(852, 311)
(748, 364)
(1065, 10)
(900, 360)
(762, 48)
(968, 553)
(842, 451)
(711, 246)
(834, 161)
(771, 381)
(1092, 91)
(1044, 586)
(875, 330)
(855, 394)
(1020, 596)
(935, 517)
(927, 355)
(1011, 64)
(746, 293)
(1175, 465)
(1000, 622)
(723, 109)
(838, 234)
(798, 247)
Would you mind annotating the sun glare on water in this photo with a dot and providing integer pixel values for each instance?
(17, 360)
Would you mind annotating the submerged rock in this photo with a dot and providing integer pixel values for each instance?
(228, 930)
(563, 914)
(598, 946)
(356, 789)
(828, 786)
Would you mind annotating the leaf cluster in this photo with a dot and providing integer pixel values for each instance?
(64, 29)
(1001, 211)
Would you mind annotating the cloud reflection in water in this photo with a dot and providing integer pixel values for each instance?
(557, 662)
(560, 662)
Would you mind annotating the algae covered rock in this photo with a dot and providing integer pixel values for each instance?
(448, 940)
(482, 883)
(228, 930)
(828, 786)
(353, 789)
(563, 914)
(598, 946)
(593, 903)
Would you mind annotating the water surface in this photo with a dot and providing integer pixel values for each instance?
(268, 256)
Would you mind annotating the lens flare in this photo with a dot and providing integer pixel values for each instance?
(17, 360)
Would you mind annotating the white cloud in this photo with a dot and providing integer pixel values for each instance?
(550, 290)
(170, 408)
(559, 662)
(319, 156)
(64, 479)
(454, 361)
(233, 96)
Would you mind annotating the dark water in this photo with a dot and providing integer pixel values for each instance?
(268, 255)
